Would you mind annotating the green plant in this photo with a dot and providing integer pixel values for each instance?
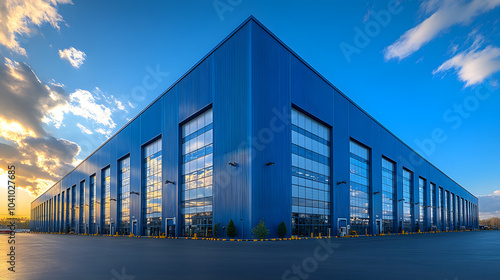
(231, 229)
(217, 230)
(260, 231)
(282, 230)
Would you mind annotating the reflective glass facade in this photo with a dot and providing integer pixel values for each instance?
(67, 227)
(422, 204)
(441, 216)
(407, 200)
(433, 206)
(124, 196)
(447, 210)
(197, 174)
(82, 208)
(310, 176)
(388, 195)
(93, 206)
(105, 201)
(452, 211)
(73, 209)
(152, 188)
(360, 188)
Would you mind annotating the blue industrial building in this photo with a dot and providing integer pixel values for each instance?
(253, 133)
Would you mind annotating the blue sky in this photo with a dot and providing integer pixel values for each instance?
(84, 69)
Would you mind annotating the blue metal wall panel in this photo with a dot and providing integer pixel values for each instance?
(195, 90)
(231, 116)
(170, 157)
(271, 132)
(341, 171)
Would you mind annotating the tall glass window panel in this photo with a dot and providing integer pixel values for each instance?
(463, 214)
(93, 205)
(73, 208)
(422, 204)
(452, 211)
(106, 203)
(388, 195)
(360, 188)
(442, 218)
(447, 209)
(63, 211)
(152, 188)
(407, 200)
(197, 176)
(124, 196)
(310, 176)
(82, 207)
(433, 205)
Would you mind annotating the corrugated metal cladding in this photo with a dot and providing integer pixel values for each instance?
(251, 81)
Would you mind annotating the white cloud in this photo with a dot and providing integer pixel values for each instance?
(104, 132)
(110, 99)
(119, 105)
(84, 129)
(74, 56)
(82, 103)
(17, 18)
(489, 205)
(473, 66)
(446, 13)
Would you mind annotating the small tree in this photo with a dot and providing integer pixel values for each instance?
(217, 230)
(231, 229)
(260, 231)
(282, 230)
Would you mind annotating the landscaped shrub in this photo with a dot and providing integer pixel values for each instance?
(217, 230)
(231, 229)
(282, 230)
(260, 231)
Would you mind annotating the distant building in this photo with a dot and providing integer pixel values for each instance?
(253, 133)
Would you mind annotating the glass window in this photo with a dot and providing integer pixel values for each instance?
(310, 176)
(124, 196)
(106, 202)
(151, 185)
(407, 200)
(442, 218)
(73, 209)
(433, 206)
(82, 208)
(359, 188)
(388, 195)
(196, 185)
(422, 202)
(93, 205)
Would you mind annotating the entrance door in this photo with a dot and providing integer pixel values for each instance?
(134, 227)
(378, 226)
(342, 227)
